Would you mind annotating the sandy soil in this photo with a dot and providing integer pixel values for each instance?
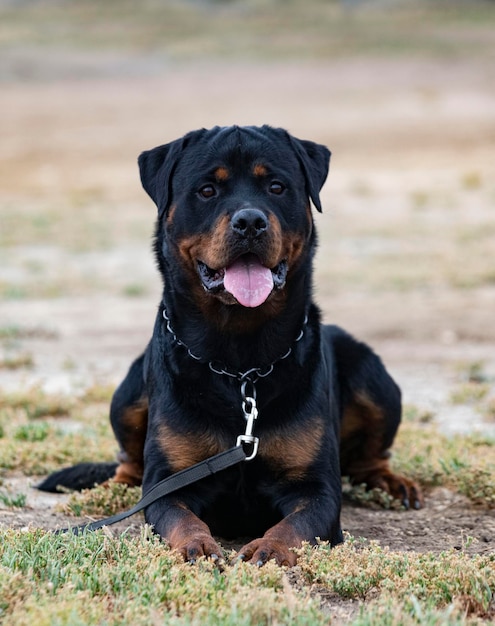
(405, 135)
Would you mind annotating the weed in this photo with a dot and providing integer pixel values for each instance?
(103, 500)
(35, 403)
(470, 393)
(100, 579)
(472, 180)
(356, 569)
(464, 463)
(420, 199)
(12, 332)
(489, 409)
(414, 414)
(386, 612)
(98, 393)
(134, 290)
(37, 431)
(472, 372)
(13, 501)
(370, 498)
(17, 362)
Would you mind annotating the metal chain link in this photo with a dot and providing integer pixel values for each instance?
(223, 370)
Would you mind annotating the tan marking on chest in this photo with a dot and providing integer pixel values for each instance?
(291, 452)
(185, 449)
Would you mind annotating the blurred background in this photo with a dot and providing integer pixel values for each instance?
(402, 92)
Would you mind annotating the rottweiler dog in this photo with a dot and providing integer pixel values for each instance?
(237, 331)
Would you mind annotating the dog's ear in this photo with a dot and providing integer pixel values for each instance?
(157, 166)
(314, 159)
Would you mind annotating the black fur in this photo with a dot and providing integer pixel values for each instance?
(327, 404)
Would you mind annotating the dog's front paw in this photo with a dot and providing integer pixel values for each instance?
(196, 546)
(262, 550)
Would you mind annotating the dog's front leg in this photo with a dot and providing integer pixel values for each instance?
(183, 530)
(305, 523)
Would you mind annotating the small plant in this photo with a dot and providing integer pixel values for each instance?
(489, 409)
(98, 393)
(134, 290)
(13, 501)
(472, 180)
(17, 362)
(414, 414)
(472, 372)
(103, 500)
(37, 431)
(420, 199)
(370, 498)
(469, 393)
(36, 403)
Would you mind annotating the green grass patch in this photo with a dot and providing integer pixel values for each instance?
(41, 432)
(463, 463)
(359, 569)
(470, 393)
(15, 362)
(96, 578)
(36, 403)
(13, 500)
(102, 501)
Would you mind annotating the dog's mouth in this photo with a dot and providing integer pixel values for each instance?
(246, 279)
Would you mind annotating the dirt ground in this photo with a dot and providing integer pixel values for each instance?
(411, 190)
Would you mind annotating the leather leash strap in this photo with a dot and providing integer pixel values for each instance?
(177, 481)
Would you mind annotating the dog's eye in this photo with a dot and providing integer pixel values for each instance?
(207, 191)
(276, 188)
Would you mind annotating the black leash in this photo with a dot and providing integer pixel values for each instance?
(177, 481)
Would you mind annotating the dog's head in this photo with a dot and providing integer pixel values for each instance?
(234, 219)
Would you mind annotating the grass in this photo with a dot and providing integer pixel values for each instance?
(434, 580)
(102, 501)
(17, 361)
(97, 578)
(254, 29)
(107, 579)
(36, 438)
(13, 500)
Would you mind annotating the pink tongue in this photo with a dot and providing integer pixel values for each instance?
(248, 281)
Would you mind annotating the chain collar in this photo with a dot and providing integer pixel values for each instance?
(248, 380)
(251, 375)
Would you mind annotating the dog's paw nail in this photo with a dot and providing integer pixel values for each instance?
(259, 563)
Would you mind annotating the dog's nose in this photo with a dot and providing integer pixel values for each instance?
(249, 223)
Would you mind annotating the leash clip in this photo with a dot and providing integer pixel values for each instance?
(250, 411)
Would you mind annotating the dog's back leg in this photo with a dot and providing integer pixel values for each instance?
(371, 410)
(129, 419)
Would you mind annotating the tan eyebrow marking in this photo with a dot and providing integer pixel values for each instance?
(259, 170)
(221, 174)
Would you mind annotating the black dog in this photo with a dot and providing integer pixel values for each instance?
(236, 332)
